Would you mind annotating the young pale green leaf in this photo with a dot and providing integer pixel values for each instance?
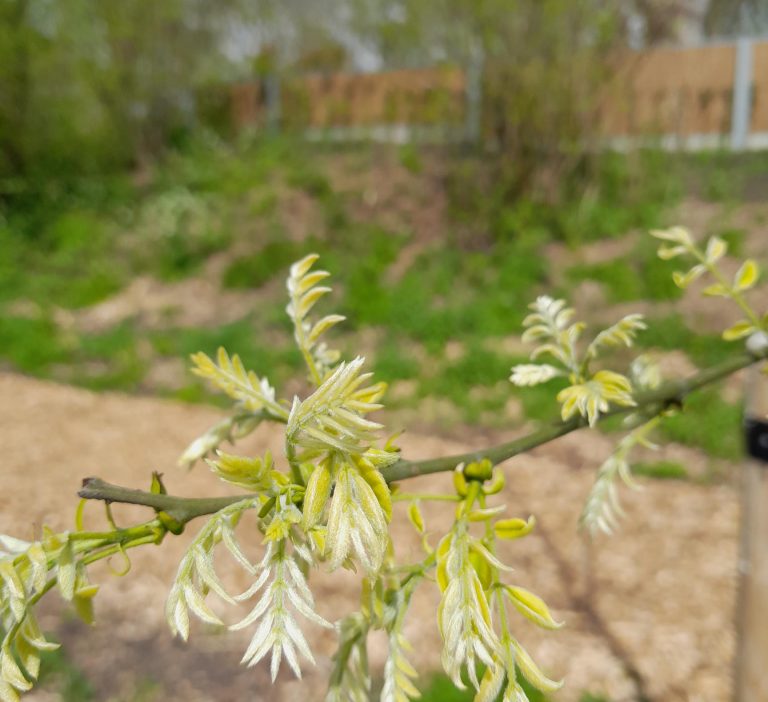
(490, 685)
(622, 333)
(415, 516)
(666, 253)
(483, 515)
(510, 529)
(29, 657)
(677, 235)
(30, 630)
(245, 472)
(716, 249)
(10, 671)
(531, 606)
(332, 418)
(527, 374)
(300, 268)
(317, 494)
(15, 588)
(177, 613)
(67, 572)
(357, 523)
(593, 397)
(196, 602)
(739, 330)
(531, 671)
(7, 692)
(323, 326)
(231, 377)
(83, 602)
(10, 545)
(379, 486)
(746, 276)
(683, 280)
(717, 290)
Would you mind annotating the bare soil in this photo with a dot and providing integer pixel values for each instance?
(653, 611)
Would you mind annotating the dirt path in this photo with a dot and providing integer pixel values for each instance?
(661, 602)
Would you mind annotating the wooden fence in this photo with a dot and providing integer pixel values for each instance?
(693, 97)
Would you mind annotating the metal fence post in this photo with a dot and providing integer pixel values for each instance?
(272, 101)
(750, 679)
(741, 111)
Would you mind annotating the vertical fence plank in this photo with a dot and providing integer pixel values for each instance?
(752, 657)
(751, 680)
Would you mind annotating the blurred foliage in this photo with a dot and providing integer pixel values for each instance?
(438, 320)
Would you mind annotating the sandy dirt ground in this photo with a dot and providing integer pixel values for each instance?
(652, 615)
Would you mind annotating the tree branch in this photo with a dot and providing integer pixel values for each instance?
(182, 509)
(669, 394)
(672, 393)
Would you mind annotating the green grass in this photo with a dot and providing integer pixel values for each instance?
(249, 272)
(440, 689)
(33, 345)
(278, 361)
(637, 276)
(661, 470)
(392, 362)
(59, 672)
(60, 675)
(671, 333)
(708, 422)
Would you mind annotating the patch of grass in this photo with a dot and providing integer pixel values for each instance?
(735, 238)
(410, 158)
(277, 361)
(32, 345)
(311, 181)
(249, 272)
(109, 360)
(476, 383)
(639, 276)
(441, 689)
(391, 362)
(65, 262)
(708, 422)
(58, 671)
(478, 367)
(446, 294)
(598, 198)
(181, 255)
(661, 470)
(618, 278)
(539, 401)
(671, 333)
